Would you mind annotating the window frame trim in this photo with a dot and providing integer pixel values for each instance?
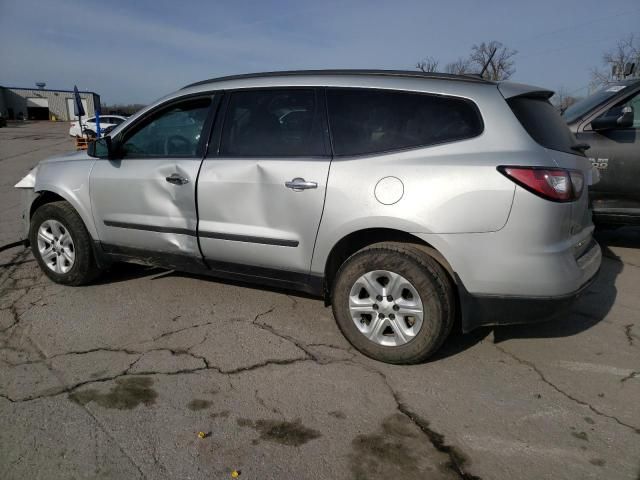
(215, 141)
(584, 123)
(473, 104)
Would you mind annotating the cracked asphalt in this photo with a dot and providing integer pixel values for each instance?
(116, 380)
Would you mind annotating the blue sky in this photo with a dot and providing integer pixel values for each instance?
(138, 51)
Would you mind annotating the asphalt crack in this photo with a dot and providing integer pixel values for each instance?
(629, 334)
(630, 376)
(571, 397)
(457, 461)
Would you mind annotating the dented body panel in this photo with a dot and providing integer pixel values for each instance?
(134, 206)
(246, 200)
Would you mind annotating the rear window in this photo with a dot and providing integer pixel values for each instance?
(543, 122)
(369, 121)
(268, 123)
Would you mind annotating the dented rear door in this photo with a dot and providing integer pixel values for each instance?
(261, 190)
(143, 203)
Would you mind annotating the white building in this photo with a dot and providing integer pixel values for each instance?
(43, 104)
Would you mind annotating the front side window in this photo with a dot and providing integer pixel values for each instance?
(174, 131)
(633, 103)
(368, 121)
(272, 123)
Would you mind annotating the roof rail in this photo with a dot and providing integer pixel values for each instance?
(391, 73)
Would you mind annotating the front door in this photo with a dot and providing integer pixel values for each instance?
(144, 201)
(616, 154)
(262, 188)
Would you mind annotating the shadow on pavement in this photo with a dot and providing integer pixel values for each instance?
(594, 304)
(591, 308)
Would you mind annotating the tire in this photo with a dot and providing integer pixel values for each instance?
(414, 271)
(83, 269)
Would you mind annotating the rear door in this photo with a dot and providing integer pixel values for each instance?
(261, 190)
(616, 154)
(144, 202)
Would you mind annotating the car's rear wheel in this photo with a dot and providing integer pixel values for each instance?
(394, 302)
(61, 244)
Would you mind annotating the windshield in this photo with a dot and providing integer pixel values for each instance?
(581, 108)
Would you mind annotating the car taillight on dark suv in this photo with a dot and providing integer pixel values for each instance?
(555, 184)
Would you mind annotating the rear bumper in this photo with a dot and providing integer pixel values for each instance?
(491, 310)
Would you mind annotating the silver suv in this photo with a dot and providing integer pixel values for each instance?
(405, 200)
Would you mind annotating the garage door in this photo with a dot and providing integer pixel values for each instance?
(70, 103)
(37, 108)
(38, 102)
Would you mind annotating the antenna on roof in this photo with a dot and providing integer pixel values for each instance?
(484, 68)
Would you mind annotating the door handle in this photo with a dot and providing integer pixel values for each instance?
(298, 184)
(176, 179)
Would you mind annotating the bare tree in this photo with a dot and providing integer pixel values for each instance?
(563, 100)
(500, 65)
(428, 64)
(626, 51)
(459, 67)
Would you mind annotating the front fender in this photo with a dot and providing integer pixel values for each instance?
(68, 177)
(79, 199)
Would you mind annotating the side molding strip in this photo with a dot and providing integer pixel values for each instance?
(216, 235)
(250, 239)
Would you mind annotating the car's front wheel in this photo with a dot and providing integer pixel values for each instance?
(394, 302)
(61, 244)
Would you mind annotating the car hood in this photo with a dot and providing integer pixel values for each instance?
(67, 157)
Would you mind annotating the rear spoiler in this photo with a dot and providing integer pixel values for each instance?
(511, 89)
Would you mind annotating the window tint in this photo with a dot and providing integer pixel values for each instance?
(633, 102)
(543, 122)
(272, 123)
(172, 132)
(367, 121)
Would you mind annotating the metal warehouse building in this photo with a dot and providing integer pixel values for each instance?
(42, 104)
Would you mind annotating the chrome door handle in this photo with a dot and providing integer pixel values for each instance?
(176, 179)
(298, 184)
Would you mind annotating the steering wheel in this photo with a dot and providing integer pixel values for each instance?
(176, 144)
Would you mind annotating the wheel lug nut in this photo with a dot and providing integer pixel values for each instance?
(390, 298)
(379, 298)
(396, 308)
(392, 316)
(375, 306)
(381, 315)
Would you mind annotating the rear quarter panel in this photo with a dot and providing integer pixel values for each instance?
(448, 189)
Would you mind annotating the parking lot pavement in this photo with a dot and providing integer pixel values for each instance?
(115, 380)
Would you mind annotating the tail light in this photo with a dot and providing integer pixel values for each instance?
(555, 184)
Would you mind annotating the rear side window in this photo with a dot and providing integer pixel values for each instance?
(369, 121)
(543, 122)
(272, 123)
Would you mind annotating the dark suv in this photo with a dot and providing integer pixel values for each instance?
(609, 121)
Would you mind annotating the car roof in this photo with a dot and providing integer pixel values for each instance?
(334, 73)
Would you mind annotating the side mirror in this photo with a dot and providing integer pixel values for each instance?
(625, 120)
(100, 148)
